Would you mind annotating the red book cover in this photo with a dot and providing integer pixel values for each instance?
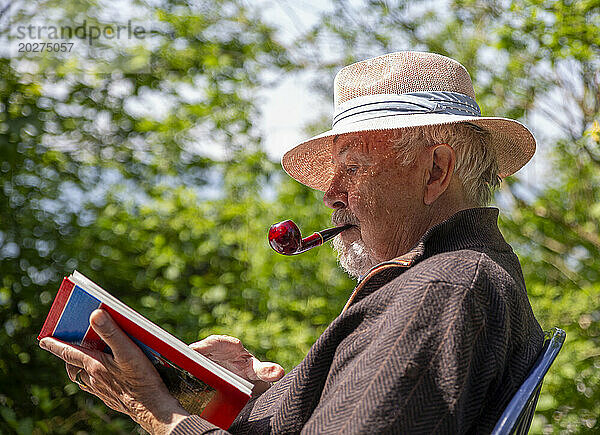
(201, 386)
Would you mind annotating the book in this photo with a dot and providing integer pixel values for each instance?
(202, 386)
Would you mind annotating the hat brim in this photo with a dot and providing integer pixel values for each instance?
(310, 161)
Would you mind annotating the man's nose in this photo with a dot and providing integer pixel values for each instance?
(336, 196)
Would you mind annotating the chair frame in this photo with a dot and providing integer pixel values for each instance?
(517, 417)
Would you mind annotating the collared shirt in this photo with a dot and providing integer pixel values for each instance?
(435, 341)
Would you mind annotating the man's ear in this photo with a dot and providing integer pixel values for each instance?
(439, 171)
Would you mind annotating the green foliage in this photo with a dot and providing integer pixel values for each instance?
(136, 199)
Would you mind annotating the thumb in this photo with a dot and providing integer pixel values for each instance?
(267, 371)
(108, 330)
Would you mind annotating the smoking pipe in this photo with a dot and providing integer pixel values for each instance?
(285, 237)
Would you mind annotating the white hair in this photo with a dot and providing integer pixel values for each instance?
(476, 165)
(353, 258)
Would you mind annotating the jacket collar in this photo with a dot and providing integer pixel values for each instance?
(466, 229)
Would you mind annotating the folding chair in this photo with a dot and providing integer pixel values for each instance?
(518, 415)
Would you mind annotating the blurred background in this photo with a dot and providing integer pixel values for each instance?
(151, 165)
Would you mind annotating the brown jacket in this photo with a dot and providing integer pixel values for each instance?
(435, 341)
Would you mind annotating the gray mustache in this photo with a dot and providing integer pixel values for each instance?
(344, 216)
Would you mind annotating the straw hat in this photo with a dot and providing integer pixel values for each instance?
(400, 90)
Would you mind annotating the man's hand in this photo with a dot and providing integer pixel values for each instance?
(231, 354)
(126, 382)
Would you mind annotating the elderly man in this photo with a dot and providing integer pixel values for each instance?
(439, 332)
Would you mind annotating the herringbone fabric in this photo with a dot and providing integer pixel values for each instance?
(436, 341)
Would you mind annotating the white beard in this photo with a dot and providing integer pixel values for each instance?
(354, 259)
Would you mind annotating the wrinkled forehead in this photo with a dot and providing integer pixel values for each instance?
(366, 144)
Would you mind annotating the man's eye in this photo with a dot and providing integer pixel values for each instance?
(351, 170)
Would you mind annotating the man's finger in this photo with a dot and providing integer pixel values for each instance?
(267, 371)
(84, 377)
(70, 354)
(121, 345)
(218, 344)
(72, 371)
(229, 352)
